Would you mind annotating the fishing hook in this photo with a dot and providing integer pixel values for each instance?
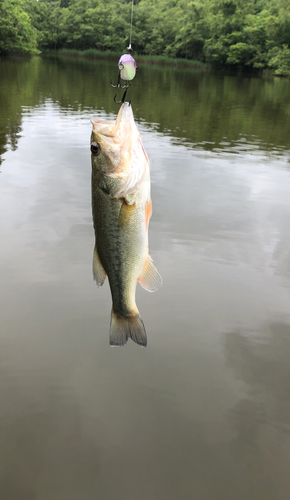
(119, 86)
(126, 86)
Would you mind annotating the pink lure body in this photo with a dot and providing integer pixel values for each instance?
(127, 67)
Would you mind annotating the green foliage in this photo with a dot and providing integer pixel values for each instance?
(280, 60)
(16, 31)
(238, 34)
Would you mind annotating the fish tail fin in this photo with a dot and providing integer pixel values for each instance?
(124, 327)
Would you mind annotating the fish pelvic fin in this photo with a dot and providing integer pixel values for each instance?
(124, 327)
(99, 272)
(150, 278)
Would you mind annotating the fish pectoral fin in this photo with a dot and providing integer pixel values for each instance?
(99, 272)
(150, 278)
(126, 213)
(148, 213)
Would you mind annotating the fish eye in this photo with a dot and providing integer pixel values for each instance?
(95, 148)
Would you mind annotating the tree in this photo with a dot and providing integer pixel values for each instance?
(16, 31)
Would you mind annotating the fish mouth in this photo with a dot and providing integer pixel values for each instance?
(115, 131)
(125, 118)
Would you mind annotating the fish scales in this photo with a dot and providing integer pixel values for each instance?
(114, 242)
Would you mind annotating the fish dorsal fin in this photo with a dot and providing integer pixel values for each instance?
(99, 272)
(150, 278)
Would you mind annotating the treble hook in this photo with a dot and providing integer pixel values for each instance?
(119, 86)
(124, 95)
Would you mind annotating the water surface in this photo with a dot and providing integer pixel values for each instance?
(204, 411)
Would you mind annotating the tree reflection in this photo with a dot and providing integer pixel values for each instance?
(18, 88)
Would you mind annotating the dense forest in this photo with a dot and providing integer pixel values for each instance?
(238, 34)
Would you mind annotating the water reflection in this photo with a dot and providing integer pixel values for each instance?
(262, 363)
(262, 416)
(43, 446)
(199, 412)
(208, 110)
(122, 209)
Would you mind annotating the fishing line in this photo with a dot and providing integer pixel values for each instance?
(130, 47)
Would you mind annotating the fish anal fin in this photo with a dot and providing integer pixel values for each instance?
(99, 272)
(124, 327)
(148, 213)
(150, 278)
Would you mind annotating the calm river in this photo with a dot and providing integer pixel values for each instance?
(203, 413)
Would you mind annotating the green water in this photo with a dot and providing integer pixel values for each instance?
(204, 411)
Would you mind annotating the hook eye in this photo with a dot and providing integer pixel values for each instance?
(95, 148)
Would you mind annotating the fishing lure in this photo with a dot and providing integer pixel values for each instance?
(127, 67)
(127, 71)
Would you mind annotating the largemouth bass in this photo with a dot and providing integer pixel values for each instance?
(122, 208)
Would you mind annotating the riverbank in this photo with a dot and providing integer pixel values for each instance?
(158, 60)
(108, 55)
